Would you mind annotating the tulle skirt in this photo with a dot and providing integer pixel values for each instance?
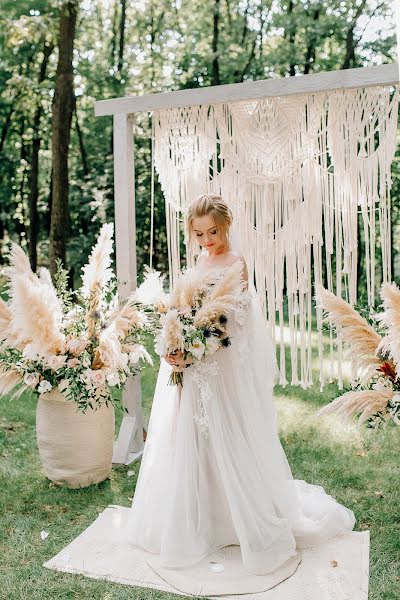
(214, 473)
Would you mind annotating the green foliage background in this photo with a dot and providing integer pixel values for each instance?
(166, 46)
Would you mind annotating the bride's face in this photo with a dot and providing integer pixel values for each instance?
(207, 234)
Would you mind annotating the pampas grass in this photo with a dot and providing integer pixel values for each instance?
(18, 264)
(96, 276)
(151, 291)
(214, 308)
(366, 402)
(358, 335)
(97, 272)
(6, 335)
(224, 295)
(37, 316)
(189, 286)
(390, 317)
(11, 380)
(231, 282)
(36, 311)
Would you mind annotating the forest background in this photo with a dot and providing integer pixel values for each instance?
(57, 58)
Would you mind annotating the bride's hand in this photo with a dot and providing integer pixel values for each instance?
(177, 361)
(174, 359)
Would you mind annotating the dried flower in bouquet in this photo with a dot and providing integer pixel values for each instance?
(192, 319)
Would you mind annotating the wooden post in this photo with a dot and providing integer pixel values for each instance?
(129, 444)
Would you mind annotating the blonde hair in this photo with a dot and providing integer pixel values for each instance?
(214, 205)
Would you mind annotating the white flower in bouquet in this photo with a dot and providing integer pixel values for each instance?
(197, 348)
(113, 378)
(86, 359)
(72, 363)
(173, 330)
(212, 345)
(160, 346)
(56, 361)
(96, 377)
(382, 386)
(31, 379)
(137, 352)
(76, 346)
(44, 386)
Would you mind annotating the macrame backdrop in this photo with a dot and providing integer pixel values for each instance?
(295, 171)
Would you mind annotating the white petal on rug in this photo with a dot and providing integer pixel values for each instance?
(199, 580)
(97, 553)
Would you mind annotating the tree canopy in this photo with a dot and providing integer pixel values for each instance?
(129, 48)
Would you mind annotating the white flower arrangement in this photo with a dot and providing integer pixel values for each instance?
(83, 343)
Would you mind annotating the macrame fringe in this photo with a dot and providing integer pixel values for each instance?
(295, 171)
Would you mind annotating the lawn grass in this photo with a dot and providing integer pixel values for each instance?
(357, 466)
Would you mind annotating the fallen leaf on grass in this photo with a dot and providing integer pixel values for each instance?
(44, 534)
(130, 473)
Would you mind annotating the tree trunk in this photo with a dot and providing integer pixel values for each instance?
(34, 174)
(290, 33)
(85, 165)
(6, 125)
(63, 106)
(122, 36)
(215, 62)
(351, 40)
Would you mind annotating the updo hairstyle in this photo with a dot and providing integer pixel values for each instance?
(214, 205)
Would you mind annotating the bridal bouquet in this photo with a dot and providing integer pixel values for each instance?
(84, 343)
(375, 351)
(193, 318)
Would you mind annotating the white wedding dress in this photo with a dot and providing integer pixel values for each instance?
(214, 473)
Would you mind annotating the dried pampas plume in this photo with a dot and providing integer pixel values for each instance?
(97, 272)
(37, 317)
(366, 402)
(11, 380)
(232, 282)
(18, 263)
(126, 318)
(189, 285)
(96, 275)
(214, 308)
(390, 317)
(151, 290)
(6, 335)
(358, 335)
(36, 311)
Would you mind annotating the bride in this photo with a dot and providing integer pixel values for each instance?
(223, 479)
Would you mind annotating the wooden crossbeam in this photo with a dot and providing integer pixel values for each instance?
(250, 90)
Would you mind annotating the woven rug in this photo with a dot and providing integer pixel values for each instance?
(337, 570)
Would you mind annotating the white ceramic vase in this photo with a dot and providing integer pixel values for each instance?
(75, 448)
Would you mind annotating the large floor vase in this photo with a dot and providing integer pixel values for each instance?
(75, 448)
